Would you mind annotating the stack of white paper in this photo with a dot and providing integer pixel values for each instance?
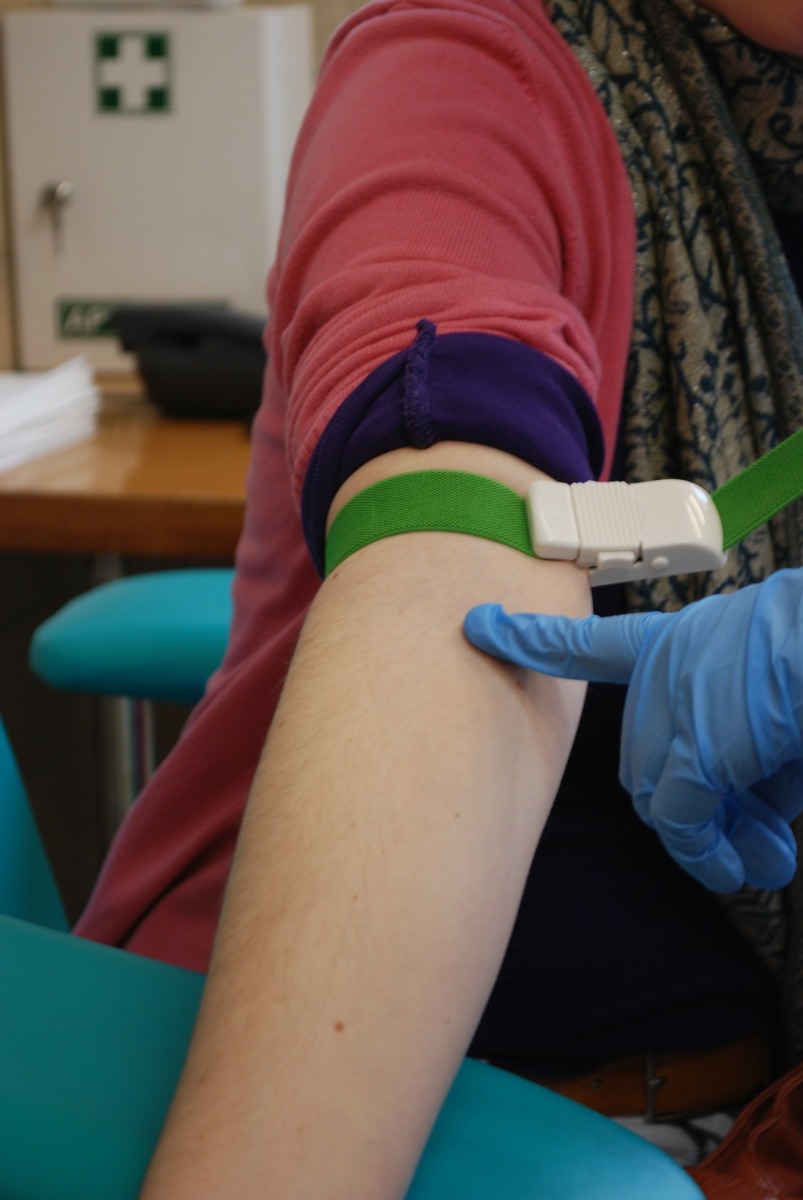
(43, 411)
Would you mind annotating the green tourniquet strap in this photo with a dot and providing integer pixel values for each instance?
(447, 501)
(761, 490)
(459, 502)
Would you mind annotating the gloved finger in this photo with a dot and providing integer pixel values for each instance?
(784, 790)
(600, 649)
(762, 839)
(684, 812)
(705, 853)
(722, 841)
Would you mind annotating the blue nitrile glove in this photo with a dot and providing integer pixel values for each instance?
(712, 750)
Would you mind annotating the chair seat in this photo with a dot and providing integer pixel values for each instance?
(92, 1041)
(157, 636)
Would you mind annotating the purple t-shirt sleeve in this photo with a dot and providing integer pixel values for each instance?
(462, 387)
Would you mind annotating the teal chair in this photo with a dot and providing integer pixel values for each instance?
(92, 1041)
(156, 636)
(27, 887)
(142, 638)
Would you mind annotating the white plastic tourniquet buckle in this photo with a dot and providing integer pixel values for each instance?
(626, 531)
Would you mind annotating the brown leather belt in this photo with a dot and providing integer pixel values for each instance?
(664, 1085)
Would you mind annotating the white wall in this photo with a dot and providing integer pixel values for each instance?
(328, 15)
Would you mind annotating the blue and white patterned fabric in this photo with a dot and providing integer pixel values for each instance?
(711, 130)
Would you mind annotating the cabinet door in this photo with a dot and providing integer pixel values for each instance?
(148, 153)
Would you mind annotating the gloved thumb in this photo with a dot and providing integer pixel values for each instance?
(599, 649)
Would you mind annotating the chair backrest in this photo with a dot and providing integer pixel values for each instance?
(155, 636)
(27, 887)
(92, 1041)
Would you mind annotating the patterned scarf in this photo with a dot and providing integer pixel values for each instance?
(710, 126)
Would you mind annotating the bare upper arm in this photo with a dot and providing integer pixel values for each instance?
(519, 582)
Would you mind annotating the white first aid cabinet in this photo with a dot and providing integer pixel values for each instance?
(148, 155)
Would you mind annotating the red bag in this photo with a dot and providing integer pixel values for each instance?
(762, 1156)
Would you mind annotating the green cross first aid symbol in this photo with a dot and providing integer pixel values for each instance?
(132, 72)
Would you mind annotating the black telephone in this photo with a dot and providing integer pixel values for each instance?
(196, 360)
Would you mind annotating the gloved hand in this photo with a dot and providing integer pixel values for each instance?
(712, 750)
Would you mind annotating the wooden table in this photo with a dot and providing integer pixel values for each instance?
(142, 485)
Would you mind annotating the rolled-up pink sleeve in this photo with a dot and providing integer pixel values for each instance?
(455, 166)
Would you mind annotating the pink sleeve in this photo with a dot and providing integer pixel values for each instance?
(455, 165)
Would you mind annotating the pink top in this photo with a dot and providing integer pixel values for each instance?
(455, 165)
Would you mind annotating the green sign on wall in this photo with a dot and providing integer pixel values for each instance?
(133, 72)
(85, 317)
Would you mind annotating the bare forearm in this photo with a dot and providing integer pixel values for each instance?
(382, 859)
